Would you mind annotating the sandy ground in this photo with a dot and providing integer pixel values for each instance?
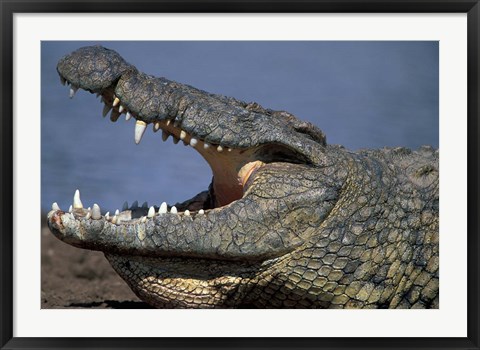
(77, 278)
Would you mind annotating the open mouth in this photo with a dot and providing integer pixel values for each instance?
(234, 168)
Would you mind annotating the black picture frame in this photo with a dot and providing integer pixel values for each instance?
(10, 7)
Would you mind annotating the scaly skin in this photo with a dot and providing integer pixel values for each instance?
(288, 221)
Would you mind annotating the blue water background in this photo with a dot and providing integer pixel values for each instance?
(361, 94)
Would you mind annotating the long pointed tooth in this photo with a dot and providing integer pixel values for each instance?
(219, 148)
(106, 109)
(173, 210)
(175, 140)
(121, 109)
(156, 127)
(116, 101)
(117, 212)
(135, 205)
(70, 209)
(125, 206)
(140, 127)
(114, 219)
(193, 142)
(165, 135)
(163, 208)
(77, 203)
(88, 216)
(55, 206)
(206, 145)
(201, 211)
(168, 122)
(183, 134)
(151, 212)
(63, 80)
(107, 215)
(96, 213)
(128, 116)
(143, 219)
(73, 90)
(187, 212)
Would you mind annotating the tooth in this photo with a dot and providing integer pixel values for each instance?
(96, 214)
(143, 219)
(140, 127)
(229, 149)
(114, 115)
(193, 142)
(187, 212)
(168, 122)
(120, 109)
(135, 205)
(165, 135)
(163, 208)
(173, 210)
(88, 209)
(201, 211)
(88, 216)
(73, 90)
(206, 145)
(175, 140)
(77, 203)
(156, 127)
(70, 209)
(183, 134)
(128, 116)
(125, 206)
(219, 148)
(107, 215)
(114, 220)
(55, 206)
(151, 212)
(116, 101)
(106, 109)
(63, 80)
(117, 212)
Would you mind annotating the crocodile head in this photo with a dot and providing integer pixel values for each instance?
(273, 185)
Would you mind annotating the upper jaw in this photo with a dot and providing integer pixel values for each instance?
(231, 166)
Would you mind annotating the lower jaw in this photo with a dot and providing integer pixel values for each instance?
(188, 287)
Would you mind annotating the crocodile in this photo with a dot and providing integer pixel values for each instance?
(288, 221)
